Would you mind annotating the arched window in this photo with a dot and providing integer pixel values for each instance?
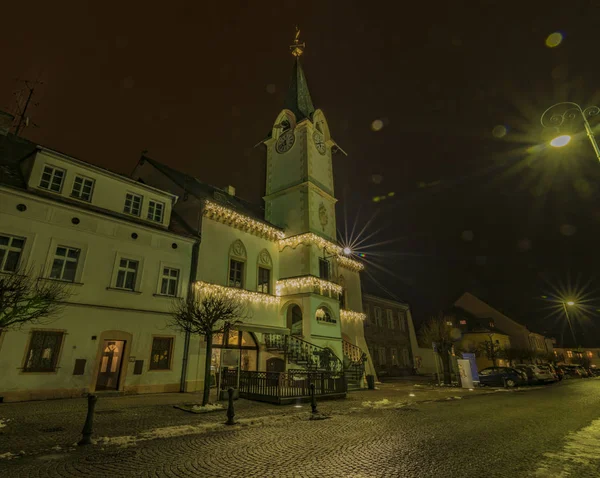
(324, 315)
(237, 265)
(265, 266)
(294, 320)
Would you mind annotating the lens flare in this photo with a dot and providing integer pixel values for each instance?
(560, 141)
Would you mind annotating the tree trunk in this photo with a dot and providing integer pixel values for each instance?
(445, 356)
(207, 362)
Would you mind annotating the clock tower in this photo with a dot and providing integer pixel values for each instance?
(299, 183)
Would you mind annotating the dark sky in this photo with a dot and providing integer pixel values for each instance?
(197, 86)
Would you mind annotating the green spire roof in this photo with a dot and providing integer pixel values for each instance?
(298, 97)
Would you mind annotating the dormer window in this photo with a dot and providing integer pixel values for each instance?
(285, 126)
(133, 204)
(82, 188)
(155, 211)
(52, 179)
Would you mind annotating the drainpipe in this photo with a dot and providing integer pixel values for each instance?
(186, 343)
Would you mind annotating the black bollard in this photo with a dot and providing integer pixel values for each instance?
(230, 412)
(313, 398)
(86, 439)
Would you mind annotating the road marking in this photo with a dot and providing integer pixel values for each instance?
(581, 449)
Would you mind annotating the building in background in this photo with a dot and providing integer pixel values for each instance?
(388, 331)
(122, 255)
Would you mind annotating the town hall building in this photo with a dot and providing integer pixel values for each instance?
(161, 234)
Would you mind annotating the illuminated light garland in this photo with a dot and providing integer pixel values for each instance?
(238, 294)
(306, 281)
(328, 246)
(351, 315)
(223, 214)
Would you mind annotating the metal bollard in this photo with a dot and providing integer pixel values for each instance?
(230, 412)
(313, 398)
(86, 439)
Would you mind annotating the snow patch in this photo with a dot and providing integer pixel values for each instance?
(7, 456)
(209, 407)
(581, 448)
(3, 422)
(383, 404)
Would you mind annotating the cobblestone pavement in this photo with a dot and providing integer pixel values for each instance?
(34, 427)
(504, 434)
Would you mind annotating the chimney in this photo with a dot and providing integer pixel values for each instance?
(230, 190)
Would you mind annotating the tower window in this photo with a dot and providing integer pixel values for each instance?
(285, 126)
(323, 268)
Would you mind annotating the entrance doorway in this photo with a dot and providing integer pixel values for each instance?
(275, 364)
(294, 320)
(110, 365)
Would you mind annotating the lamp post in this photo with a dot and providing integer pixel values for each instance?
(557, 114)
(569, 303)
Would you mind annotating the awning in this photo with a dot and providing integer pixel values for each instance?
(263, 329)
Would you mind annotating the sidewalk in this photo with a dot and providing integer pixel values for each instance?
(36, 427)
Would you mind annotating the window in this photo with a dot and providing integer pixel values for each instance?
(381, 351)
(127, 274)
(590, 354)
(390, 319)
(155, 211)
(65, 263)
(133, 204)
(343, 299)
(42, 355)
(394, 357)
(378, 317)
(236, 274)
(11, 249)
(463, 322)
(401, 322)
(52, 178)
(264, 280)
(569, 354)
(169, 281)
(405, 358)
(449, 322)
(82, 188)
(160, 358)
(323, 268)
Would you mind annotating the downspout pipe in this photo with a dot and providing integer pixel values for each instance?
(186, 343)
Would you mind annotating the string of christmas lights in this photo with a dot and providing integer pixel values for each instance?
(322, 243)
(351, 315)
(225, 215)
(238, 294)
(306, 281)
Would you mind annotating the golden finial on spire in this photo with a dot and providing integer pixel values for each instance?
(297, 48)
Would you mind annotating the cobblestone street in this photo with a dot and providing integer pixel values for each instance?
(377, 433)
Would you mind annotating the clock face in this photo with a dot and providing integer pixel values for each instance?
(319, 142)
(285, 142)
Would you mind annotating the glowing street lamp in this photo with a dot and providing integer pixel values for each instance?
(557, 114)
(347, 251)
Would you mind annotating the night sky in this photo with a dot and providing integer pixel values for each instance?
(198, 85)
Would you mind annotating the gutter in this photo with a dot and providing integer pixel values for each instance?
(186, 343)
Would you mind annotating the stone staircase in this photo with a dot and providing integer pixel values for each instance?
(302, 353)
(354, 365)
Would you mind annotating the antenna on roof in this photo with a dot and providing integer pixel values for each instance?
(24, 120)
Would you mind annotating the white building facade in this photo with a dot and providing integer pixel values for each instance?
(108, 239)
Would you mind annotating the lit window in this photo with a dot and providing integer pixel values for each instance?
(236, 274)
(449, 322)
(52, 179)
(133, 204)
(569, 353)
(169, 281)
(155, 211)
(590, 354)
(65, 262)
(160, 358)
(127, 274)
(264, 280)
(11, 249)
(42, 355)
(82, 188)
(463, 322)
(492, 325)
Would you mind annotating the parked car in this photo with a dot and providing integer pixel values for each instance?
(537, 373)
(571, 371)
(552, 369)
(497, 376)
(583, 371)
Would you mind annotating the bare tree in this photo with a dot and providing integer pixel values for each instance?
(206, 314)
(25, 298)
(438, 331)
(493, 351)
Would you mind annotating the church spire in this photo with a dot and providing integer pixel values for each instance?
(298, 97)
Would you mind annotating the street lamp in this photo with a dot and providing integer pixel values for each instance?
(557, 114)
(570, 303)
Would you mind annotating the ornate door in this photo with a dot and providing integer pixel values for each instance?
(110, 365)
